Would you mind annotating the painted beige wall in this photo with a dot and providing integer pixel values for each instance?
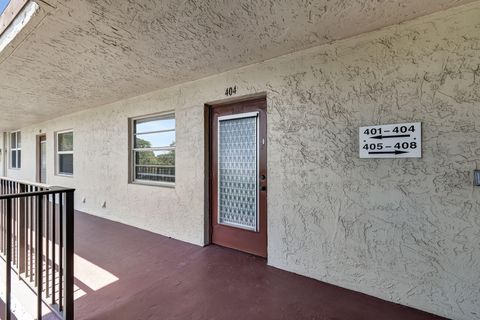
(3, 154)
(405, 230)
(101, 167)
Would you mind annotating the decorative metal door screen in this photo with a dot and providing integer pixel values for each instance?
(238, 170)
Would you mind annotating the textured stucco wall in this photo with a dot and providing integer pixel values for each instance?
(3, 154)
(101, 167)
(405, 230)
(80, 53)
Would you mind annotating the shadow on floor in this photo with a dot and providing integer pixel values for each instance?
(2, 311)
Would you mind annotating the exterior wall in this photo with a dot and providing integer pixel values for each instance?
(404, 230)
(101, 167)
(3, 154)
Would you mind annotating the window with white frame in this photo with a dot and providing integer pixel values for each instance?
(64, 153)
(15, 150)
(153, 149)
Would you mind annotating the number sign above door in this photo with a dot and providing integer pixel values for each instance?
(403, 140)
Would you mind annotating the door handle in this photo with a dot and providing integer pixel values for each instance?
(263, 188)
(263, 177)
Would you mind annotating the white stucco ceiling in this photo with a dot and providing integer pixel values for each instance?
(83, 53)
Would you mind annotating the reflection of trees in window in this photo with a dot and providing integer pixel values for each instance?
(65, 153)
(154, 149)
(158, 158)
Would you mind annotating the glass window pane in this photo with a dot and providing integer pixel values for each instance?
(156, 174)
(156, 166)
(19, 139)
(13, 160)
(157, 158)
(237, 173)
(19, 158)
(65, 141)
(155, 140)
(65, 163)
(13, 140)
(155, 124)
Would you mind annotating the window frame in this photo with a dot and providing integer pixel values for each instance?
(18, 164)
(59, 153)
(167, 115)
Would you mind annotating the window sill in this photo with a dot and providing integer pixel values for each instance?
(170, 185)
(65, 175)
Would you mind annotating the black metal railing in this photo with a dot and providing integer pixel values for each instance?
(36, 242)
(155, 173)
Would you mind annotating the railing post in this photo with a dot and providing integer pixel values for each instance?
(68, 235)
(8, 260)
(21, 204)
(39, 256)
(22, 212)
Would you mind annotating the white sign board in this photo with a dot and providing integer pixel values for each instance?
(402, 140)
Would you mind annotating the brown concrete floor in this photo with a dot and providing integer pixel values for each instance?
(2, 310)
(165, 279)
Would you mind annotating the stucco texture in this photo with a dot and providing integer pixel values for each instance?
(86, 53)
(404, 230)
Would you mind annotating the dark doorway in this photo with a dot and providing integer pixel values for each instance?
(42, 159)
